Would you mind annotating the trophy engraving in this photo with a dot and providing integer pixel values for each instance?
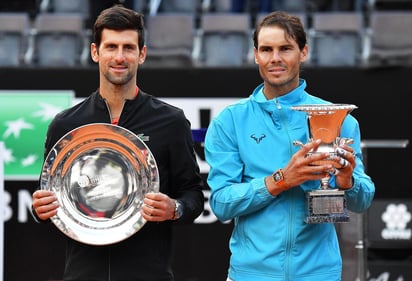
(326, 204)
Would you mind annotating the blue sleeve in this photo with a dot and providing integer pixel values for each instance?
(230, 195)
(360, 196)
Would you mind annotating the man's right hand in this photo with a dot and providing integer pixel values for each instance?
(301, 168)
(44, 204)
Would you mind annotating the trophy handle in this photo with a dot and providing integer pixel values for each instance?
(297, 142)
(344, 141)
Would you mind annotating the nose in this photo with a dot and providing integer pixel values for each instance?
(119, 55)
(275, 56)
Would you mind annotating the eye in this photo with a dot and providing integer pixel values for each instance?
(287, 48)
(130, 47)
(265, 49)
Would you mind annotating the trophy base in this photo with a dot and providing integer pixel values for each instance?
(326, 206)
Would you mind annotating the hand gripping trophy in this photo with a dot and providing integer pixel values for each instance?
(326, 204)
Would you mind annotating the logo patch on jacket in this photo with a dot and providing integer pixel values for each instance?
(142, 137)
(258, 139)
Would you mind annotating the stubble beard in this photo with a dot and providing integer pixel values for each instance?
(119, 80)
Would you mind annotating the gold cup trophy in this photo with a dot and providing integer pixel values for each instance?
(326, 204)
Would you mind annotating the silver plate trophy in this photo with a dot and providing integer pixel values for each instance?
(100, 174)
(326, 205)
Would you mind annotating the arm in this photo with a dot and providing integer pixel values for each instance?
(188, 184)
(359, 187)
(360, 194)
(44, 203)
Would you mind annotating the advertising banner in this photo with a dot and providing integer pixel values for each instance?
(1, 213)
(24, 118)
(390, 223)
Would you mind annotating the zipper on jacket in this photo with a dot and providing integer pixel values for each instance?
(284, 124)
(277, 103)
(110, 114)
(290, 194)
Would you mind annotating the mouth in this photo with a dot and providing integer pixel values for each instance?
(119, 68)
(276, 70)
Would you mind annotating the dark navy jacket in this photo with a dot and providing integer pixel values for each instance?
(146, 255)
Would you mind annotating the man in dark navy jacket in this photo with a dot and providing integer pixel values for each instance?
(119, 49)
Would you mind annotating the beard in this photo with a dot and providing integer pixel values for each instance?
(118, 79)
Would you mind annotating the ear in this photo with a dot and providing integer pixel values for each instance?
(304, 53)
(255, 55)
(142, 54)
(94, 52)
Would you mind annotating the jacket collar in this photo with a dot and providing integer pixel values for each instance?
(294, 97)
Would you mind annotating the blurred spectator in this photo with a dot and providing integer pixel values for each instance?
(29, 6)
(260, 6)
(96, 6)
(267, 6)
(339, 5)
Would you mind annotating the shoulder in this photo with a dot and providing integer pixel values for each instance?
(71, 117)
(74, 111)
(238, 108)
(160, 106)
